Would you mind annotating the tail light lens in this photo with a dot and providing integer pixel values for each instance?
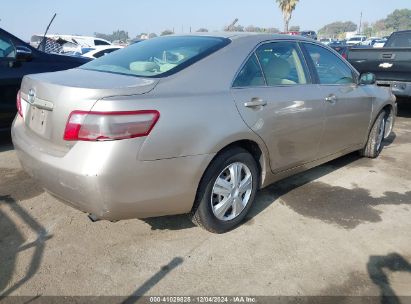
(18, 104)
(103, 126)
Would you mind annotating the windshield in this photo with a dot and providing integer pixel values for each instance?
(157, 57)
(356, 39)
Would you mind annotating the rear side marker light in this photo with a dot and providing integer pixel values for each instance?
(104, 126)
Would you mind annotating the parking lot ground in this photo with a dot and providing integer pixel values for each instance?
(340, 229)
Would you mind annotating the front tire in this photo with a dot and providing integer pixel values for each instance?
(226, 191)
(374, 144)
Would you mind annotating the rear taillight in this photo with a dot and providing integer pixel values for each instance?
(18, 104)
(102, 126)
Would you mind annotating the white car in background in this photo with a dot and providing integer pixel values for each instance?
(380, 43)
(356, 40)
(67, 44)
(326, 41)
(370, 41)
(100, 51)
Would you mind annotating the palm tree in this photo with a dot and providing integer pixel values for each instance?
(287, 7)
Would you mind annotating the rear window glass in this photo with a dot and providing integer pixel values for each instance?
(158, 57)
(399, 40)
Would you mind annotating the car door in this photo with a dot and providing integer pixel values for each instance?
(347, 105)
(274, 95)
(8, 84)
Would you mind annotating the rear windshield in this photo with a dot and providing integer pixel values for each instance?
(399, 40)
(158, 57)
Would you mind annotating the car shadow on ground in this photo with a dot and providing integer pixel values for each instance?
(13, 242)
(404, 107)
(378, 266)
(309, 197)
(177, 222)
(17, 186)
(344, 207)
(5, 143)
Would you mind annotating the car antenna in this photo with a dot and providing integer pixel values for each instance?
(45, 33)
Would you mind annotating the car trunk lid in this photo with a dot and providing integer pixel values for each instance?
(49, 98)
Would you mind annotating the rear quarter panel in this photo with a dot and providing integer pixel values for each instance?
(188, 125)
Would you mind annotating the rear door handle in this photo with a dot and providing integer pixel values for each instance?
(331, 99)
(255, 102)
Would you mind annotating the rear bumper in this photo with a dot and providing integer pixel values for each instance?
(399, 88)
(107, 180)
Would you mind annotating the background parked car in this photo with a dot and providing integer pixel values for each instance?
(391, 64)
(98, 52)
(380, 43)
(326, 41)
(370, 41)
(356, 40)
(291, 33)
(309, 34)
(66, 44)
(341, 49)
(17, 59)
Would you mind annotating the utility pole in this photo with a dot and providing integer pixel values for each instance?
(359, 29)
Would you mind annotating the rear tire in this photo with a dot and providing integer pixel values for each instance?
(222, 204)
(374, 144)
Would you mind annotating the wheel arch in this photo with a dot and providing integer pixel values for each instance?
(257, 150)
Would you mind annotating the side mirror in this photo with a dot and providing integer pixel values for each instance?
(23, 53)
(367, 79)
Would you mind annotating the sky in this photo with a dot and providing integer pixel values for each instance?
(26, 17)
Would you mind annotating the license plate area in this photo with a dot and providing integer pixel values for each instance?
(37, 119)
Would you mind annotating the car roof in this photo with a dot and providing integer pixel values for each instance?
(245, 35)
(399, 32)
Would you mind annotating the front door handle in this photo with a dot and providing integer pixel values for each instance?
(331, 99)
(255, 102)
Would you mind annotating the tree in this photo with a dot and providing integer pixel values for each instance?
(294, 28)
(202, 30)
(287, 7)
(337, 28)
(234, 28)
(117, 35)
(152, 35)
(166, 32)
(272, 30)
(380, 26)
(398, 20)
(253, 29)
(368, 31)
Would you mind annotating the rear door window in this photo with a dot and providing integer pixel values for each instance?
(250, 75)
(282, 64)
